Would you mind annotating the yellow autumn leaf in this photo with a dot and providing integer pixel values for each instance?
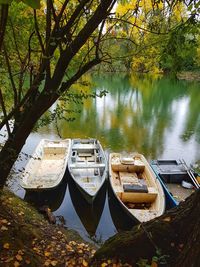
(6, 246)
(18, 257)
(16, 264)
(47, 263)
(27, 261)
(167, 219)
(104, 264)
(54, 263)
(47, 254)
(85, 263)
(4, 221)
(4, 228)
(154, 264)
(20, 252)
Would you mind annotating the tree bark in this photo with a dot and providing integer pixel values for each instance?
(176, 234)
(3, 22)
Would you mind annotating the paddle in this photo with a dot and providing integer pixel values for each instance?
(190, 173)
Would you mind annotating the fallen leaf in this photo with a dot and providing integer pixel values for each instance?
(85, 263)
(154, 264)
(9, 259)
(167, 219)
(18, 257)
(27, 261)
(104, 264)
(4, 228)
(20, 252)
(16, 264)
(47, 254)
(6, 246)
(54, 263)
(4, 221)
(47, 263)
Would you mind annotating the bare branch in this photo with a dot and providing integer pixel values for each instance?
(11, 76)
(3, 22)
(38, 33)
(79, 73)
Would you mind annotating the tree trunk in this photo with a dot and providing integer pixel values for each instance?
(176, 235)
(11, 150)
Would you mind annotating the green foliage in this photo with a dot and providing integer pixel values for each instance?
(5, 2)
(32, 3)
(179, 53)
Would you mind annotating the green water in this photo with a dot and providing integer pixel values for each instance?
(158, 117)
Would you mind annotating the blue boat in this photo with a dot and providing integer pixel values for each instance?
(177, 180)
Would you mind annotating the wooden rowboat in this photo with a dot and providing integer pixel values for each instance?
(87, 166)
(136, 187)
(47, 166)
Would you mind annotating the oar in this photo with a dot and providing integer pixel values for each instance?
(190, 173)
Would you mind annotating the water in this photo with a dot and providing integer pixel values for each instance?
(158, 117)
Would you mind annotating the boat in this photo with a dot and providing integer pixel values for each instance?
(87, 166)
(177, 179)
(47, 165)
(88, 214)
(136, 187)
(52, 199)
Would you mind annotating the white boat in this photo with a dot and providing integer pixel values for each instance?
(136, 187)
(87, 166)
(47, 166)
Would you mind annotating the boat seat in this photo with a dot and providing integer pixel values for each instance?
(89, 154)
(135, 188)
(140, 197)
(84, 147)
(120, 167)
(54, 149)
(89, 185)
(86, 166)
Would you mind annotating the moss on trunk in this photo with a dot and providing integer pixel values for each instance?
(174, 237)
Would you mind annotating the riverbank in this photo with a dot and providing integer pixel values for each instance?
(189, 75)
(27, 239)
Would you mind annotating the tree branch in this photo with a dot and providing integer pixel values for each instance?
(11, 76)
(3, 22)
(4, 113)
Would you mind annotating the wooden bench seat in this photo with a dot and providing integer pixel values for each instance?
(86, 166)
(139, 197)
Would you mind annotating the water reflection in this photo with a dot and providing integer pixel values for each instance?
(157, 117)
(89, 214)
(52, 198)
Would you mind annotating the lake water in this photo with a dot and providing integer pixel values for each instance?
(158, 117)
